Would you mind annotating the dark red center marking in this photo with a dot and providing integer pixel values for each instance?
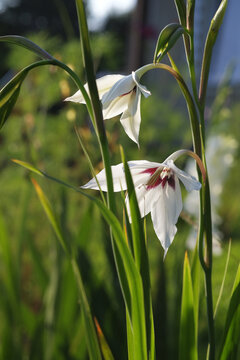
(170, 180)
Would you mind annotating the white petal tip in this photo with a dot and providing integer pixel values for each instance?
(165, 253)
(84, 187)
(76, 98)
(147, 94)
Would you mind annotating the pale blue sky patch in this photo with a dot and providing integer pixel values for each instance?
(100, 10)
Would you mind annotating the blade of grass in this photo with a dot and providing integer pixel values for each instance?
(91, 337)
(96, 104)
(223, 280)
(89, 163)
(27, 44)
(52, 218)
(187, 343)
(106, 351)
(230, 343)
(141, 256)
(9, 93)
(133, 287)
(130, 343)
(195, 273)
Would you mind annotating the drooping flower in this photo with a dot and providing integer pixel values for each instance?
(157, 189)
(120, 95)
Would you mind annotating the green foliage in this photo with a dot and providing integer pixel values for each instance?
(231, 335)
(187, 332)
(40, 314)
(167, 38)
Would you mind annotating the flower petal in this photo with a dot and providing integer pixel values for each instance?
(136, 167)
(121, 87)
(104, 84)
(141, 87)
(77, 97)
(131, 118)
(146, 198)
(116, 106)
(190, 182)
(118, 179)
(165, 213)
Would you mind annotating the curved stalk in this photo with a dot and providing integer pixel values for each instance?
(96, 104)
(193, 114)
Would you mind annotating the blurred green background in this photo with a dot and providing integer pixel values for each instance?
(40, 316)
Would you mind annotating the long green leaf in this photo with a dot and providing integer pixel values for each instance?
(167, 38)
(231, 336)
(106, 351)
(52, 218)
(187, 340)
(9, 93)
(130, 343)
(96, 104)
(141, 256)
(195, 273)
(181, 9)
(223, 279)
(190, 14)
(136, 308)
(210, 41)
(6, 256)
(91, 337)
(27, 44)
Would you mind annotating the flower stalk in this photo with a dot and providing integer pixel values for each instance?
(96, 105)
(205, 229)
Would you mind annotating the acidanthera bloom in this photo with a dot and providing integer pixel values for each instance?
(120, 95)
(158, 191)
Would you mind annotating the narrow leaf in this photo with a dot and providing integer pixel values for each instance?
(187, 341)
(195, 273)
(96, 104)
(210, 41)
(106, 351)
(181, 10)
(223, 279)
(8, 96)
(141, 255)
(51, 217)
(27, 44)
(134, 282)
(231, 335)
(130, 343)
(167, 38)
(190, 14)
(91, 337)
(27, 166)
(9, 93)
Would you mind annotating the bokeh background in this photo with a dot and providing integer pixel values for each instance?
(40, 316)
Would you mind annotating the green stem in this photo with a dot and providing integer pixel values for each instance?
(91, 338)
(96, 104)
(192, 69)
(193, 114)
(205, 222)
(211, 330)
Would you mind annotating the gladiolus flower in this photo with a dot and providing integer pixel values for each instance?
(157, 189)
(120, 95)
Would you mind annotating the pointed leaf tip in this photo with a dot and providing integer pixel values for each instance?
(167, 38)
(27, 166)
(27, 44)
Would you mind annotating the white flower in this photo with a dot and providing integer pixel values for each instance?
(157, 189)
(120, 95)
